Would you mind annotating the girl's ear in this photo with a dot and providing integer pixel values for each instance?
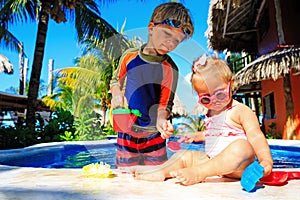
(232, 84)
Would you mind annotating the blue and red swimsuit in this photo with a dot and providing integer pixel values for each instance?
(150, 83)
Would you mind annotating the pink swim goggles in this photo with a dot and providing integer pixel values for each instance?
(221, 95)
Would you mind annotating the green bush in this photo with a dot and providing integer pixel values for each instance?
(20, 136)
(16, 137)
(60, 127)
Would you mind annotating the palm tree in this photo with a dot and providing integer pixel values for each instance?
(87, 23)
(88, 82)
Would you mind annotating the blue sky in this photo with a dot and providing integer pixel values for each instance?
(61, 43)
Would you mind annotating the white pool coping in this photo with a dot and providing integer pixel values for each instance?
(294, 143)
(47, 184)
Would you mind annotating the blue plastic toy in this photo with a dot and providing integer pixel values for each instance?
(251, 175)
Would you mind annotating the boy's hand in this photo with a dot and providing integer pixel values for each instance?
(117, 101)
(165, 128)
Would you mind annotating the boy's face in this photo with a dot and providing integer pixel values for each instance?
(164, 38)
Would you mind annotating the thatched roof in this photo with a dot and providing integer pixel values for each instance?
(179, 108)
(231, 25)
(270, 66)
(5, 65)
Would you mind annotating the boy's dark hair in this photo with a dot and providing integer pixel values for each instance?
(174, 11)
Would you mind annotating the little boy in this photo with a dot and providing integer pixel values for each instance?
(148, 77)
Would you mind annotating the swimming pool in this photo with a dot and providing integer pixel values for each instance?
(78, 154)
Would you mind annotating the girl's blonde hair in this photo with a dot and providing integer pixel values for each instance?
(211, 68)
(175, 11)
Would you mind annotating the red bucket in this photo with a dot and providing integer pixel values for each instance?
(124, 118)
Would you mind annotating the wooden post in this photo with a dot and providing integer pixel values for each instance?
(279, 22)
(21, 69)
(50, 71)
(25, 75)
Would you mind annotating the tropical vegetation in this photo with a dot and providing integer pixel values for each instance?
(83, 90)
(193, 123)
(84, 14)
(81, 96)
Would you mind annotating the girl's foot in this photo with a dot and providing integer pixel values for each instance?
(188, 176)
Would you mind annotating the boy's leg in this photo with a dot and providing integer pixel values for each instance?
(152, 148)
(156, 157)
(127, 159)
(231, 162)
(142, 148)
(127, 153)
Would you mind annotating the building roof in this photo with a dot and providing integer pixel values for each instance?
(5, 65)
(10, 102)
(270, 66)
(231, 25)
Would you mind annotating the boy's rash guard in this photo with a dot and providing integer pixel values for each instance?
(150, 83)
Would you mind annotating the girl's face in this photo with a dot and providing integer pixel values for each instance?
(213, 94)
(164, 38)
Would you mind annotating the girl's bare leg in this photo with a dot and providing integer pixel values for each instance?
(179, 160)
(231, 162)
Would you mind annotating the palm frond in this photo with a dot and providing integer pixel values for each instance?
(51, 102)
(82, 104)
(16, 11)
(88, 23)
(61, 99)
(67, 81)
(8, 40)
(68, 71)
(111, 48)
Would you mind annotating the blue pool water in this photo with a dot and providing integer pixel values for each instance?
(78, 155)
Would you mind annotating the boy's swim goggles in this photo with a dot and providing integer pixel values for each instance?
(175, 24)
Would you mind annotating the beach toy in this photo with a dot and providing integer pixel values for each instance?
(279, 178)
(124, 118)
(175, 145)
(293, 175)
(251, 176)
(254, 173)
(276, 178)
(97, 170)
